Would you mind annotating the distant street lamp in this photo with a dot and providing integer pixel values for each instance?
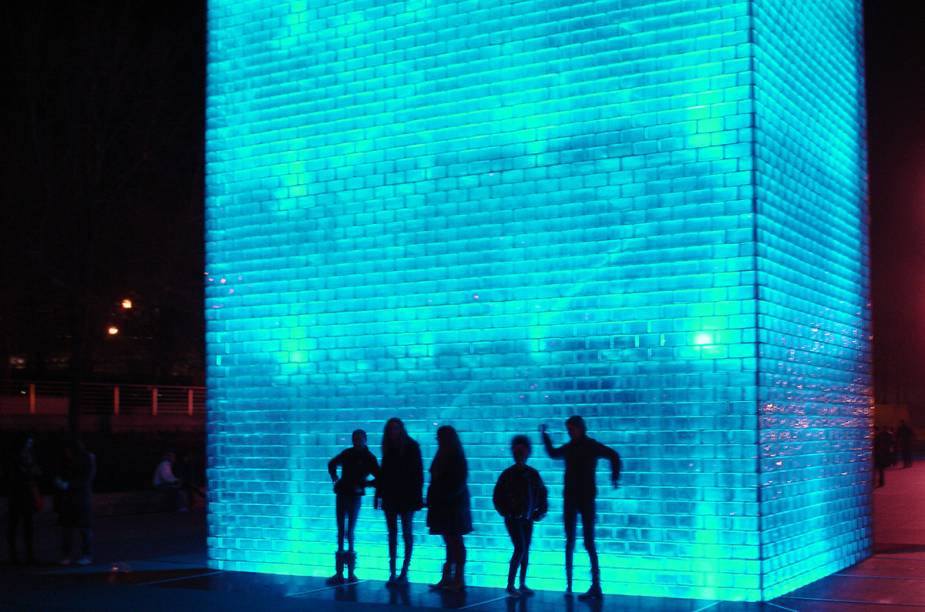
(112, 330)
(126, 304)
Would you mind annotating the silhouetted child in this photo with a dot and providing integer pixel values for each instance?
(356, 464)
(520, 497)
(581, 454)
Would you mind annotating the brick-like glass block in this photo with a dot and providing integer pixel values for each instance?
(495, 215)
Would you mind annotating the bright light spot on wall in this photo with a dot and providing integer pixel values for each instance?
(112, 330)
(127, 304)
(703, 338)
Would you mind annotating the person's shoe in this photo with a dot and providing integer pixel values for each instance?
(351, 559)
(526, 591)
(457, 583)
(511, 591)
(445, 579)
(402, 580)
(338, 577)
(85, 560)
(591, 594)
(392, 582)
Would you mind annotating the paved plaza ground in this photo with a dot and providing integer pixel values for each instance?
(158, 562)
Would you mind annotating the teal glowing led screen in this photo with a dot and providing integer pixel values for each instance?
(497, 214)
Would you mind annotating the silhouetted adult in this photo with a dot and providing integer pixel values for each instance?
(883, 453)
(398, 488)
(77, 501)
(22, 473)
(581, 454)
(904, 439)
(521, 498)
(356, 464)
(449, 514)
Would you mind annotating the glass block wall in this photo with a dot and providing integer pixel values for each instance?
(813, 316)
(495, 215)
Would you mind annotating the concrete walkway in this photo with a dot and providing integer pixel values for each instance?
(157, 562)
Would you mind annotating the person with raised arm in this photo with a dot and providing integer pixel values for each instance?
(581, 454)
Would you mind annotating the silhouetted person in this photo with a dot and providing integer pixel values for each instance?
(581, 454)
(164, 479)
(448, 508)
(398, 488)
(883, 453)
(77, 501)
(23, 495)
(904, 440)
(356, 464)
(187, 470)
(521, 498)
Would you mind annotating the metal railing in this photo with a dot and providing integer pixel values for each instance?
(53, 398)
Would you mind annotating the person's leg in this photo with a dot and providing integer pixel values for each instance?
(391, 525)
(447, 565)
(86, 544)
(587, 525)
(353, 511)
(340, 514)
(458, 582)
(12, 523)
(515, 531)
(525, 559)
(29, 535)
(570, 518)
(67, 537)
(340, 510)
(407, 533)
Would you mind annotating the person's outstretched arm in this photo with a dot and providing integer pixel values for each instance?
(553, 452)
(605, 452)
(332, 466)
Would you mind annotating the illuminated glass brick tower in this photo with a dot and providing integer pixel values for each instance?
(496, 214)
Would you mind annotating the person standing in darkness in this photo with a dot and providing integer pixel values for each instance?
(581, 454)
(521, 498)
(449, 514)
(398, 489)
(883, 453)
(77, 501)
(904, 439)
(356, 464)
(23, 495)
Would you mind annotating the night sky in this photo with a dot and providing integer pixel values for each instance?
(102, 182)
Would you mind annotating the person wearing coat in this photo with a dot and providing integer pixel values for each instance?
(521, 498)
(398, 492)
(356, 464)
(449, 514)
(77, 502)
(22, 474)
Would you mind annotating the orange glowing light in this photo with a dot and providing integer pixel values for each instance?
(127, 304)
(112, 330)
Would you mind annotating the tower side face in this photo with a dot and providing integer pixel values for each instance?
(491, 215)
(814, 320)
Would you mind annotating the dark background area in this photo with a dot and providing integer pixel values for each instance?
(102, 193)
